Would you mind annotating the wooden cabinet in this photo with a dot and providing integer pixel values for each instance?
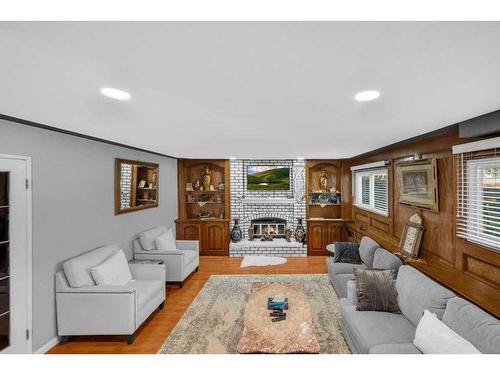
(213, 234)
(322, 233)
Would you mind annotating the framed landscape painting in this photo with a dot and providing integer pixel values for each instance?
(417, 183)
(268, 177)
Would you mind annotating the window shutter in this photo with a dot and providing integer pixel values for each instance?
(380, 192)
(365, 190)
(478, 196)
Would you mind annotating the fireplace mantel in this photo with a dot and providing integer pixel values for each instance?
(268, 200)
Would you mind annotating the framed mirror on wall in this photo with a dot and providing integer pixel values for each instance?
(136, 185)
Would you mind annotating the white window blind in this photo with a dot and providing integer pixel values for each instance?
(478, 196)
(371, 190)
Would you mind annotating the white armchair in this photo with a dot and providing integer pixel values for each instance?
(180, 262)
(89, 309)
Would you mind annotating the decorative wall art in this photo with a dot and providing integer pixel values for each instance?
(417, 183)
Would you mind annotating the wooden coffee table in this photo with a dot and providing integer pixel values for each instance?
(293, 335)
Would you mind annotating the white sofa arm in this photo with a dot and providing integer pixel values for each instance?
(352, 293)
(188, 245)
(148, 271)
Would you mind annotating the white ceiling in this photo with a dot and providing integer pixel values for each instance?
(250, 89)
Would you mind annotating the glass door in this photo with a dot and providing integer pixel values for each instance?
(4, 262)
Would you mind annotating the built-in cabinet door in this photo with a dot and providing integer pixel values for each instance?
(316, 238)
(189, 232)
(215, 239)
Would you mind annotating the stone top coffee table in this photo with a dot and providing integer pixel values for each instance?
(293, 335)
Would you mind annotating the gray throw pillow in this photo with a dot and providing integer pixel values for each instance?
(346, 252)
(376, 290)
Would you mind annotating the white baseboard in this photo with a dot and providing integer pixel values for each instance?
(47, 346)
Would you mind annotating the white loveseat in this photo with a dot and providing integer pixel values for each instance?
(181, 261)
(84, 308)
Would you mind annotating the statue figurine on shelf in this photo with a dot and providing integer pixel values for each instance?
(196, 185)
(323, 181)
(251, 234)
(206, 179)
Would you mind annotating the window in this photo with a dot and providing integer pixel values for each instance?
(371, 190)
(479, 199)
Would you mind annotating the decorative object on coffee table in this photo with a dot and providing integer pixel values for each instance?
(251, 234)
(299, 231)
(288, 234)
(295, 334)
(412, 236)
(236, 233)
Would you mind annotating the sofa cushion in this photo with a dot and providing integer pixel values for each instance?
(165, 241)
(147, 238)
(369, 328)
(339, 283)
(146, 290)
(416, 293)
(473, 324)
(376, 290)
(405, 348)
(432, 336)
(367, 249)
(112, 271)
(385, 260)
(77, 270)
(339, 268)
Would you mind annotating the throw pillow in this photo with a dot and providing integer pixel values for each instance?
(346, 252)
(376, 290)
(432, 336)
(113, 271)
(165, 241)
(147, 238)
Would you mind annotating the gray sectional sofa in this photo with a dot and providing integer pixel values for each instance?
(388, 333)
(372, 256)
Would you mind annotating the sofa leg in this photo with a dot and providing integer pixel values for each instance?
(181, 284)
(63, 339)
(162, 305)
(197, 269)
(130, 339)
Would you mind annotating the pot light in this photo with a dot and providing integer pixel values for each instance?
(113, 93)
(366, 96)
(300, 158)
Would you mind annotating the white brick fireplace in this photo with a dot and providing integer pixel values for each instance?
(250, 205)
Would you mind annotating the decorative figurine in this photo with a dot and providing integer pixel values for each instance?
(323, 181)
(206, 179)
(299, 231)
(197, 186)
(236, 233)
(288, 234)
(266, 237)
(251, 234)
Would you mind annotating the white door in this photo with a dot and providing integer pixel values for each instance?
(15, 255)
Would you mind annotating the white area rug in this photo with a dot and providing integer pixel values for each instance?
(254, 260)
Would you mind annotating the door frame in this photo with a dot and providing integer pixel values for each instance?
(29, 244)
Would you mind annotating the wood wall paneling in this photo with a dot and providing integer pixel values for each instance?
(468, 269)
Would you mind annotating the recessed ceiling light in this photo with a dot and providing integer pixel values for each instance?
(113, 93)
(232, 158)
(300, 158)
(366, 96)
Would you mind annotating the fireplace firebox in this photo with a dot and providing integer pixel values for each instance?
(272, 226)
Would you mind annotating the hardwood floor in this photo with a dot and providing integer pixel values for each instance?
(154, 331)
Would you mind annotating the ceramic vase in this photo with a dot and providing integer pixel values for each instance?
(299, 231)
(236, 233)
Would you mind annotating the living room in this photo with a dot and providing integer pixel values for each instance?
(250, 187)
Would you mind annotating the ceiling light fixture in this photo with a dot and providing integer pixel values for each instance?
(300, 158)
(366, 96)
(116, 94)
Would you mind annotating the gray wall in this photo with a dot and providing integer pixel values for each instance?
(73, 205)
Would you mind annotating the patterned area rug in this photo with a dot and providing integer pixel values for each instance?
(214, 321)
